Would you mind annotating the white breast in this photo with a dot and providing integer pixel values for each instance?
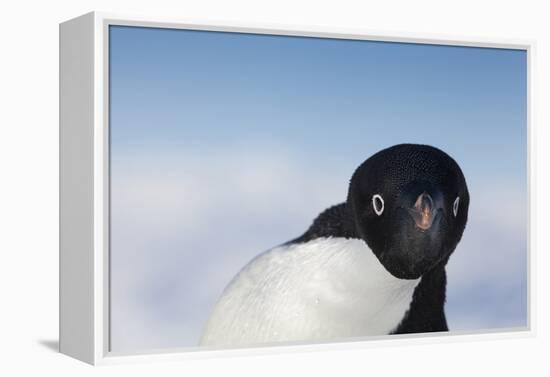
(324, 289)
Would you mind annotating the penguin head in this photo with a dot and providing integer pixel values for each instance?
(409, 203)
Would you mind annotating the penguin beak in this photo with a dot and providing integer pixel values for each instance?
(423, 211)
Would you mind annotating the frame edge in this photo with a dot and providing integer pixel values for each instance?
(76, 190)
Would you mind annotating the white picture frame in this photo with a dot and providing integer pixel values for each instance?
(84, 184)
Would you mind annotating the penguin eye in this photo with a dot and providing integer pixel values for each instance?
(455, 205)
(378, 204)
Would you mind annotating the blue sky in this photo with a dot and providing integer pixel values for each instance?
(245, 138)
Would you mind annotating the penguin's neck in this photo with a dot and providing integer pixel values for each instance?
(427, 309)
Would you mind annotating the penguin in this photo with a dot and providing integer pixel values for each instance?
(373, 265)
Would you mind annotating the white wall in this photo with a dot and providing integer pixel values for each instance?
(29, 160)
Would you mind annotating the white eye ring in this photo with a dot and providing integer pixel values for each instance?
(455, 205)
(378, 204)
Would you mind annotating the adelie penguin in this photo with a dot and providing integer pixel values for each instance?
(372, 265)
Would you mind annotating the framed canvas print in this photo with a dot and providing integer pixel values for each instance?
(229, 188)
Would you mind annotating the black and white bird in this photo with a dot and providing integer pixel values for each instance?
(373, 265)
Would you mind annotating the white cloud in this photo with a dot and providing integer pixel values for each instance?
(184, 223)
(183, 227)
(487, 272)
